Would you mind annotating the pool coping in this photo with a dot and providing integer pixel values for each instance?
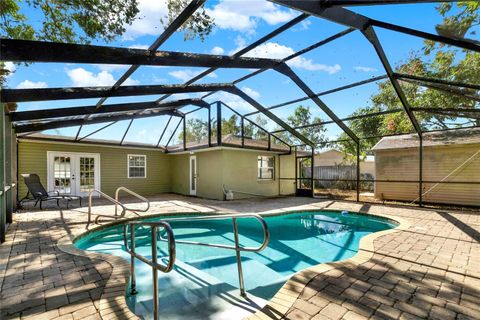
(113, 302)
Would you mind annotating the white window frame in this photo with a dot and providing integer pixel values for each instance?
(128, 165)
(273, 168)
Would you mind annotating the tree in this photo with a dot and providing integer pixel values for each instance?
(302, 117)
(434, 61)
(196, 129)
(82, 21)
(255, 131)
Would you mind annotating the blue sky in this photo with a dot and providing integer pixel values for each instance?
(239, 23)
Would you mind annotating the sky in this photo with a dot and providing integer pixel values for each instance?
(238, 23)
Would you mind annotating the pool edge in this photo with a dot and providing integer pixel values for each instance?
(284, 299)
(113, 300)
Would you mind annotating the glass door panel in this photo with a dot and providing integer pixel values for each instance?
(62, 174)
(304, 176)
(86, 174)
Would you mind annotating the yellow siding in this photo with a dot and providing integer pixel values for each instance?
(438, 162)
(113, 166)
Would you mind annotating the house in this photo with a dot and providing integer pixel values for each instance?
(333, 158)
(77, 168)
(451, 167)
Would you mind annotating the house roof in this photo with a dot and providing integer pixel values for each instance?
(228, 140)
(430, 139)
(234, 140)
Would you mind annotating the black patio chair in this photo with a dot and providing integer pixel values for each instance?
(37, 192)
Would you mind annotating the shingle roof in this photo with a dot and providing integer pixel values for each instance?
(439, 138)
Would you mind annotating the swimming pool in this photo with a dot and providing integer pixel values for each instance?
(204, 281)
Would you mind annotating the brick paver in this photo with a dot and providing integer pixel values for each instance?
(429, 270)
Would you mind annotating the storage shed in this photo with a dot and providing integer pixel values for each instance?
(450, 170)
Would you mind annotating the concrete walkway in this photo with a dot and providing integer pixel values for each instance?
(429, 270)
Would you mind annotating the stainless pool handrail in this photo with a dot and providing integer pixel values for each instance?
(153, 263)
(106, 196)
(136, 195)
(236, 247)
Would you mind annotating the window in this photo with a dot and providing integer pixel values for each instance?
(137, 166)
(266, 168)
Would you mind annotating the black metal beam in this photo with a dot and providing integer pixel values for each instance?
(372, 37)
(164, 130)
(438, 81)
(126, 131)
(41, 51)
(287, 71)
(235, 90)
(460, 43)
(248, 48)
(88, 110)
(55, 124)
(348, 3)
(24, 95)
(452, 90)
(361, 22)
(96, 131)
(319, 94)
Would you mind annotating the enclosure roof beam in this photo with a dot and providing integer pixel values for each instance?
(236, 91)
(88, 110)
(361, 22)
(372, 37)
(438, 81)
(44, 94)
(452, 90)
(250, 47)
(348, 86)
(41, 51)
(287, 71)
(348, 3)
(55, 124)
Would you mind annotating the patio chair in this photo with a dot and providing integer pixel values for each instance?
(37, 192)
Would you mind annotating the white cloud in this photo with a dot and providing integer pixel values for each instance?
(187, 74)
(10, 66)
(245, 15)
(148, 19)
(139, 46)
(252, 93)
(235, 102)
(83, 78)
(112, 67)
(365, 69)
(277, 51)
(217, 50)
(27, 84)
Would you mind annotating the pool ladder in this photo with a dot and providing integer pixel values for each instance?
(168, 236)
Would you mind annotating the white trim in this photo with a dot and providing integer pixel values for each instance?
(207, 149)
(99, 144)
(128, 165)
(274, 168)
(193, 192)
(73, 163)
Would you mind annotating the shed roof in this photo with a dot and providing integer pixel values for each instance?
(439, 138)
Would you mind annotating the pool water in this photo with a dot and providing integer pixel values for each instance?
(204, 282)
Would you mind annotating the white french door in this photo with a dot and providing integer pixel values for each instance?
(73, 173)
(193, 175)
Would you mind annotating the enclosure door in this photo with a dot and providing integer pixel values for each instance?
(304, 176)
(73, 173)
(193, 175)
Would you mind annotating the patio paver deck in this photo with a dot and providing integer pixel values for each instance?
(429, 270)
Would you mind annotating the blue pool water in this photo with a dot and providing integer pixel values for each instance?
(205, 278)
